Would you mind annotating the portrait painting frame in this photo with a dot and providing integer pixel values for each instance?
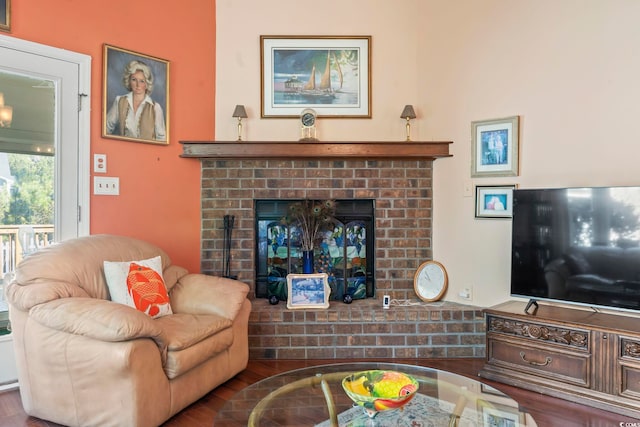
(308, 291)
(115, 59)
(495, 147)
(494, 201)
(287, 64)
(5, 15)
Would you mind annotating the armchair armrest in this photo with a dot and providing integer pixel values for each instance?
(202, 294)
(98, 319)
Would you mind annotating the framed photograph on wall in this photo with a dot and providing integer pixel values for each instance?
(135, 97)
(329, 74)
(308, 290)
(5, 15)
(494, 201)
(494, 147)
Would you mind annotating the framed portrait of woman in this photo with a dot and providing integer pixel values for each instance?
(135, 97)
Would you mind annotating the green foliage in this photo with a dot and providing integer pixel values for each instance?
(31, 200)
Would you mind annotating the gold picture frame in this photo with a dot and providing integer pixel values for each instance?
(125, 74)
(329, 74)
(5, 15)
(308, 291)
(495, 147)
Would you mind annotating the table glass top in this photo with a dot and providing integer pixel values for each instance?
(296, 398)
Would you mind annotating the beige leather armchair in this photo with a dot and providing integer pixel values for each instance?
(84, 360)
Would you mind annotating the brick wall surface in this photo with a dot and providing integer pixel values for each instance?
(402, 190)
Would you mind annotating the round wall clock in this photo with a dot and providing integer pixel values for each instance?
(430, 281)
(308, 122)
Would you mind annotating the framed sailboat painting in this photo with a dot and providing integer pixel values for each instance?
(330, 74)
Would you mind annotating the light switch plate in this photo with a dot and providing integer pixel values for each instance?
(106, 186)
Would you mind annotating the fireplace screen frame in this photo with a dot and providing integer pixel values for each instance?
(269, 211)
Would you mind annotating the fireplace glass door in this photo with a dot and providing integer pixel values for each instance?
(345, 252)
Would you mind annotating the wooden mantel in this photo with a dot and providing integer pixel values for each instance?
(316, 149)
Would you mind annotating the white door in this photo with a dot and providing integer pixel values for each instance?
(67, 75)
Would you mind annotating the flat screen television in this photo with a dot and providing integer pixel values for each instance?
(577, 245)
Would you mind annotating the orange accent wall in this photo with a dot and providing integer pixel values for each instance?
(159, 197)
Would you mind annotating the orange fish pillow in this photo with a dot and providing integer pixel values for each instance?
(139, 284)
(148, 291)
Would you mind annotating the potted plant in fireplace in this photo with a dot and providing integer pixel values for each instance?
(312, 218)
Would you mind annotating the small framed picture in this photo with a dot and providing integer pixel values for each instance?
(5, 15)
(308, 290)
(494, 414)
(494, 147)
(494, 201)
(136, 97)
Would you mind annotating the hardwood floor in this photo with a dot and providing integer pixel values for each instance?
(547, 411)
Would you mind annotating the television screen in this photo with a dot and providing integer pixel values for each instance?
(577, 245)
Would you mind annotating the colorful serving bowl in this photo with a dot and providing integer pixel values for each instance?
(380, 390)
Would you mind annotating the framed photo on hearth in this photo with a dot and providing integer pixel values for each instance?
(135, 100)
(494, 201)
(494, 414)
(329, 74)
(495, 147)
(308, 290)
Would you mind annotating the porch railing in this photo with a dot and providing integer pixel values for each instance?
(16, 242)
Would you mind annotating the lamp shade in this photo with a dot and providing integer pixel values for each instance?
(239, 112)
(408, 112)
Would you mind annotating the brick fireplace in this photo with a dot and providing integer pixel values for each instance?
(401, 189)
(398, 176)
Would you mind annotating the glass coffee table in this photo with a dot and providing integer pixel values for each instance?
(313, 396)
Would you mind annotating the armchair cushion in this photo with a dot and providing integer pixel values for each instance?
(193, 339)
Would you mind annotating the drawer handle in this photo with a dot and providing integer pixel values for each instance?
(547, 360)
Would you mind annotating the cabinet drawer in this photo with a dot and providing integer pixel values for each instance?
(629, 367)
(630, 384)
(546, 362)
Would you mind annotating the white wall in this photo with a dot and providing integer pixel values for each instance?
(240, 23)
(569, 69)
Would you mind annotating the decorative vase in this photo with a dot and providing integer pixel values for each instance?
(307, 262)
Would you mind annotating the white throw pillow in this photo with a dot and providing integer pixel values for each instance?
(117, 276)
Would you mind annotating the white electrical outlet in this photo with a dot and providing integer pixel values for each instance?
(106, 186)
(100, 163)
(466, 293)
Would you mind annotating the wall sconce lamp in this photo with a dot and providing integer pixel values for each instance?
(6, 113)
(408, 113)
(240, 113)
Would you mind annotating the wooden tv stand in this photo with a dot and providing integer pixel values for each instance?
(582, 356)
